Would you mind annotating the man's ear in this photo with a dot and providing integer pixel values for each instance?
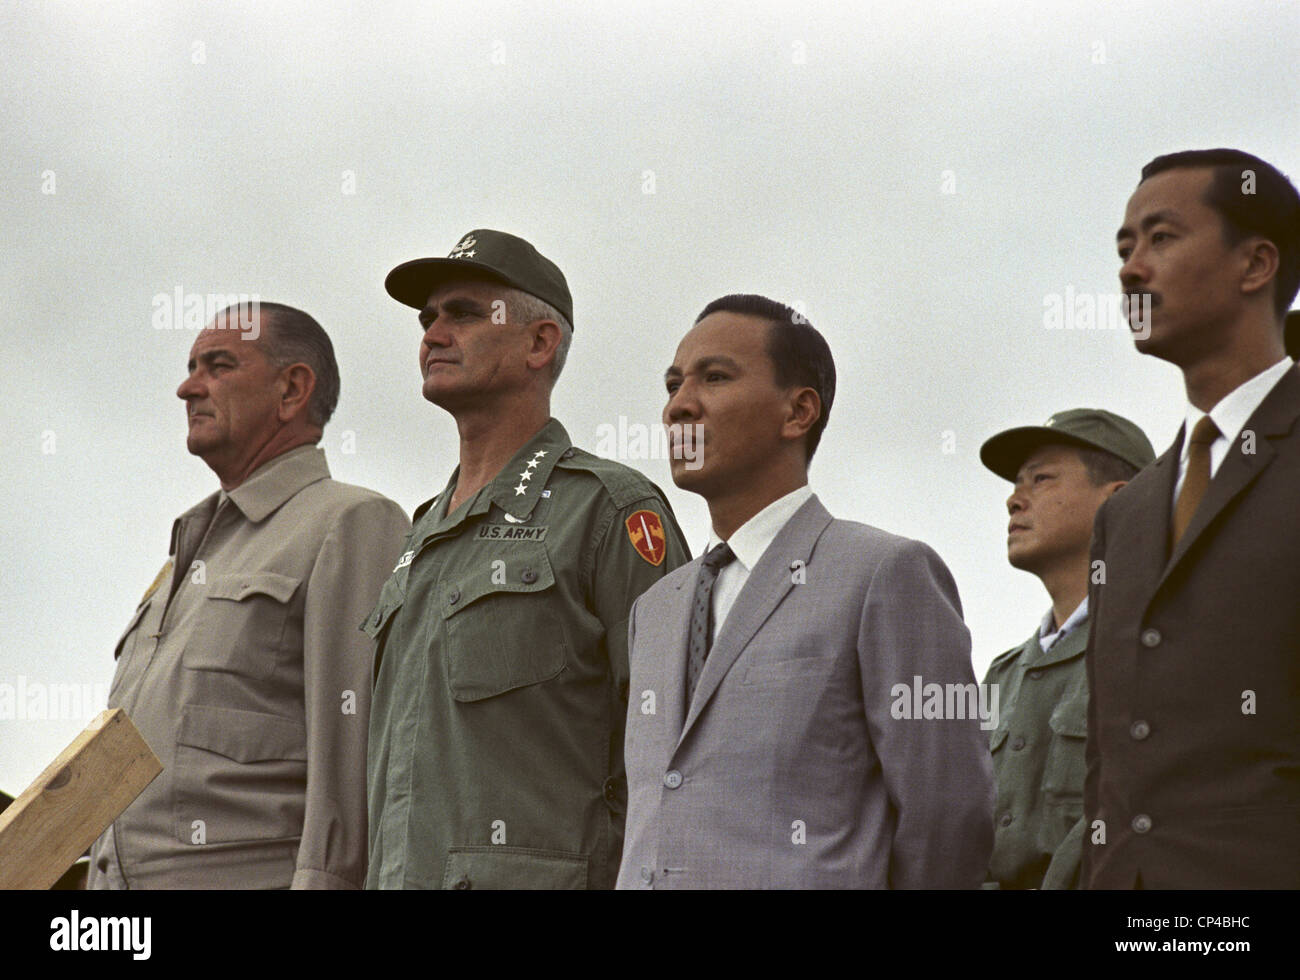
(296, 384)
(544, 340)
(805, 410)
(1262, 264)
(1110, 492)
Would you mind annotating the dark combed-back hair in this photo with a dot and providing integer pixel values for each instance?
(1272, 211)
(801, 358)
(1104, 467)
(290, 336)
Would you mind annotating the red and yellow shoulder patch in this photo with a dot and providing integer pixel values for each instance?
(646, 531)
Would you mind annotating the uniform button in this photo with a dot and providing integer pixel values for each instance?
(462, 883)
(647, 875)
(529, 576)
(1141, 823)
(1018, 743)
(1139, 730)
(1035, 674)
(567, 454)
(611, 791)
(1005, 820)
(1151, 638)
(453, 596)
(672, 779)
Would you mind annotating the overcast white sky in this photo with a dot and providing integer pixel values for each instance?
(919, 176)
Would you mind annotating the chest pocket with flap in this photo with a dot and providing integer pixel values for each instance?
(391, 597)
(1066, 766)
(243, 624)
(501, 625)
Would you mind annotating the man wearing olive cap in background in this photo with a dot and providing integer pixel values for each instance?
(1062, 472)
(496, 737)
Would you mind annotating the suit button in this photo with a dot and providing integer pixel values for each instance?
(1141, 823)
(1151, 638)
(672, 779)
(1005, 820)
(1139, 730)
(647, 875)
(528, 577)
(102, 864)
(1017, 743)
(1035, 674)
(453, 596)
(611, 791)
(462, 883)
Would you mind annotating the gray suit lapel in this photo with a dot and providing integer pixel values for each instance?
(768, 583)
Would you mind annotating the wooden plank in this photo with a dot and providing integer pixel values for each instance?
(54, 820)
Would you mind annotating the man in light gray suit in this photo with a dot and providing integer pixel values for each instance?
(802, 709)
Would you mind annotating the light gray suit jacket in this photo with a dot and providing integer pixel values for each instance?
(792, 766)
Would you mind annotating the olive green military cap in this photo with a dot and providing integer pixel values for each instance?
(484, 254)
(1090, 428)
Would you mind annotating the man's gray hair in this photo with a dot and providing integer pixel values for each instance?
(290, 336)
(527, 308)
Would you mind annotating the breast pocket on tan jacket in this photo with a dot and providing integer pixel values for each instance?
(124, 651)
(503, 630)
(244, 624)
(240, 776)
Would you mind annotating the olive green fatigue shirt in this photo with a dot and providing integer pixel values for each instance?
(496, 732)
(244, 672)
(1038, 763)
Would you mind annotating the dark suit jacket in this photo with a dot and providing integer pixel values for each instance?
(798, 763)
(1193, 755)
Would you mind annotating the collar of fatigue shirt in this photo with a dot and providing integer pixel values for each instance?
(1047, 637)
(519, 485)
(278, 479)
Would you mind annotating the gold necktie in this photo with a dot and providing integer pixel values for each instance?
(1198, 475)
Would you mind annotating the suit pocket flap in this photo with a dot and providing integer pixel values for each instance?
(239, 587)
(245, 736)
(498, 866)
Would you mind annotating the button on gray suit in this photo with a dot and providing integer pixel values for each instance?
(789, 768)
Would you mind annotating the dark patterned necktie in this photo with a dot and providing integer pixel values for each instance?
(701, 631)
(1198, 476)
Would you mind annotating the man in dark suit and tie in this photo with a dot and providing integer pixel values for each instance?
(1193, 754)
(802, 709)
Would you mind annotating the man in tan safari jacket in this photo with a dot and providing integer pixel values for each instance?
(243, 667)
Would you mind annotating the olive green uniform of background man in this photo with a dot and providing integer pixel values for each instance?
(496, 743)
(1062, 472)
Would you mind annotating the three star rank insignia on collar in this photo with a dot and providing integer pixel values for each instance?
(646, 532)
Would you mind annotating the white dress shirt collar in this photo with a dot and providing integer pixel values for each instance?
(1233, 410)
(752, 538)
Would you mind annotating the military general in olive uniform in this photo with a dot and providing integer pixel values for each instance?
(1062, 472)
(496, 738)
